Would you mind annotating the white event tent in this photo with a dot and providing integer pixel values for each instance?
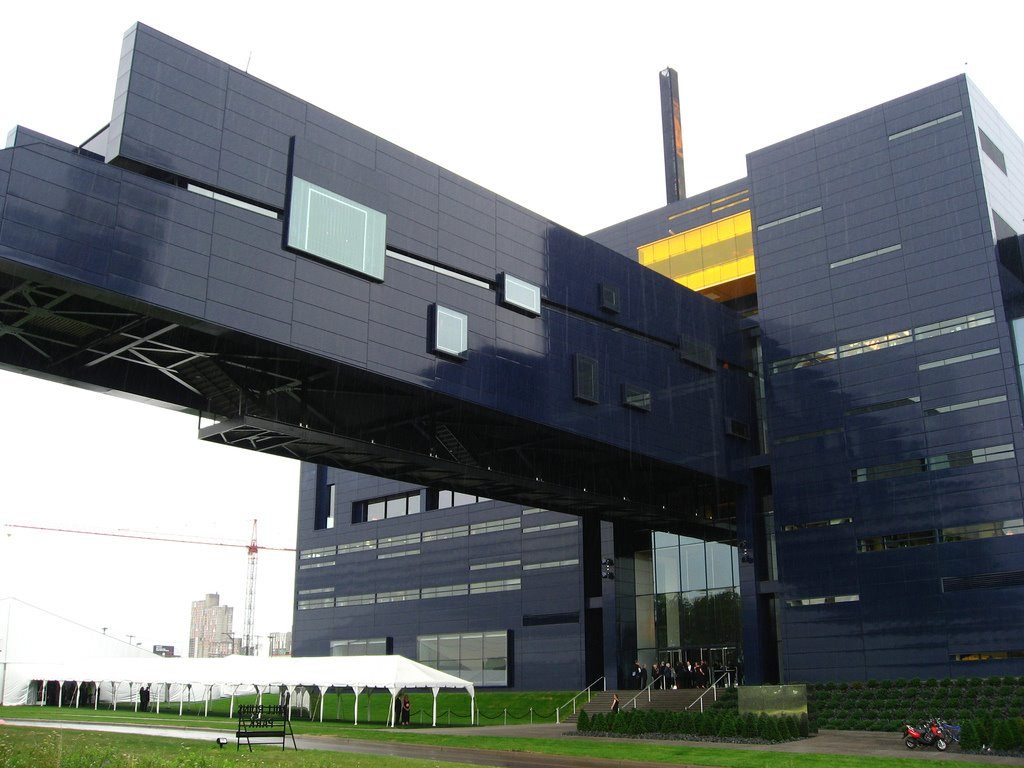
(37, 647)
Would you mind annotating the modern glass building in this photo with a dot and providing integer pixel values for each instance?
(772, 425)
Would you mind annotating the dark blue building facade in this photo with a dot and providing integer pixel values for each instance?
(530, 459)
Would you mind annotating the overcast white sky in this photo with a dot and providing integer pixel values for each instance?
(552, 104)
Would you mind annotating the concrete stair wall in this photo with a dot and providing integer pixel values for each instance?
(670, 700)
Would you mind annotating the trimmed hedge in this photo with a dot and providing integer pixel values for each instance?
(722, 724)
(885, 705)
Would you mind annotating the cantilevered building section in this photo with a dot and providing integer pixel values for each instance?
(742, 427)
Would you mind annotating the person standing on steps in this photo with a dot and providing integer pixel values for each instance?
(615, 703)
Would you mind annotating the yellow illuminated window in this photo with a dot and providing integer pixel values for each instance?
(716, 255)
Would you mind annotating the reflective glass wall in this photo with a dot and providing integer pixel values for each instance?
(687, 599)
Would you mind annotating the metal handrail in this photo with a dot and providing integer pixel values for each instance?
(646, 690)
(558, 710)
(712, 690)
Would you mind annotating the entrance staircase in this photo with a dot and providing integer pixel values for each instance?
(669, 700)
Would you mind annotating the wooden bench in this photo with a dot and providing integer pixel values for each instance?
(264, 724)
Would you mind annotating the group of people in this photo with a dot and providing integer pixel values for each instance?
(403, 710)
(665, 675)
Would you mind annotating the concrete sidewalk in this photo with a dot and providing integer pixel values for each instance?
(867, 743)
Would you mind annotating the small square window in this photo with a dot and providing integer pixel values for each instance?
(608, 298)
(451, 332)
(519, 294)
(585, 387)
(635, 397)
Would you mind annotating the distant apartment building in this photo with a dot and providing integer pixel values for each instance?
(280, 643)
(210, 633)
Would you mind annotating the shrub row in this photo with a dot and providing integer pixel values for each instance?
(722, 724)
(887, 704)
(1005, 736)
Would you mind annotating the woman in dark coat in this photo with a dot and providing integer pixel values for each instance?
(406, 710)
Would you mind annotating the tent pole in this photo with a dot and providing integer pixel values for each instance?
(323, 692)
(159, 690)
(78, 691)
(60, 694)
(472, 707)
(96, 696)
(181, 699)
(206, 700)
(130, 697)
(433, 719)
(114, 687)
(259, 695)
(231, 709)
(355, 710)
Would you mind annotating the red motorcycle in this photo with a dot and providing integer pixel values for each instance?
(928, 735)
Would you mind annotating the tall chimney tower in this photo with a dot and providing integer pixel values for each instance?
(672, 136)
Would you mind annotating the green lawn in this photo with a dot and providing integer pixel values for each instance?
(38, 748)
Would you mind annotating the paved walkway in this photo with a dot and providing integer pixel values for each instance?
(826, 742)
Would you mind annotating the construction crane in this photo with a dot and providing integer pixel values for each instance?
(250, 597)
(252, 548)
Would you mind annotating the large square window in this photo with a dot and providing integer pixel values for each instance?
(520, 294)
(325, 224)
(451, 332)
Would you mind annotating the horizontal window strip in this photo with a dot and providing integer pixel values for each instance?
(442, 534)
(785, 219)
(317, 564)
(975, 531)
(808, 435)
(958, 359)
(829, 600)
(497, 564)
(950, 535)
(892, 339)
(355, 600)
(923, 126)
(533, 511)
(818, 524)
(493, 526)
(864, 256)
(551, 526)
(983, 581)
(454, 590)
(401, 553)
(691, 210)
(312, 554)
(438, 269)
(230, 200)
(318, 591)
(309, 605)
(731, 197)
(398, 596)
(899, 403)
(550, 564)
(398, 541)
(730, 205)
(951, 460)
(357, 546)
(896, 541)
(965, 405)
(987, 655)
(500, 585)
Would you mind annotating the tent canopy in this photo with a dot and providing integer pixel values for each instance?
(385, 672)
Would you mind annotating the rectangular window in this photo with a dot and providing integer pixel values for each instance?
(965, 405)
(519, 294)
(494, 526)
(817, 524)
(480, 657)
(896, 541)
(499, 585)
(608, 298)
(314, 554)
(449, 590)
(995, 154)
(884, 471)
(345, 600)
(551, 526)
(316, 564)
(1012, 527)
(398, 596)
(958, 359)
(830, 600)
(883, 406)
(357, 546)
(584, 382)
(336, 229)
(785, 219)
(386, 507)
(450, 332)
(442, 534)
(398, 541)
(987, 655)
(636, 398)
(550, 564)
(313, 604)
(401, 553)
(983, 581)
(808, 435)
(317, 591)
(496, 564)
(378, 646)
(864, 256)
